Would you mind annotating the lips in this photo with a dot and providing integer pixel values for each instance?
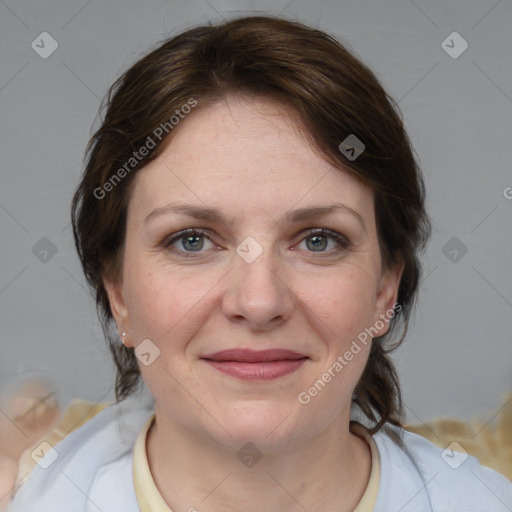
(252, 365)
(254, 356)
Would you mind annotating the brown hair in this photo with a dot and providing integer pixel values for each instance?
(334, 96)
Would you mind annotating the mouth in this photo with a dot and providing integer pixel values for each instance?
(256, 365)
(254, 356)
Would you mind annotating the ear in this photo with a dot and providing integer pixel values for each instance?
(118, 307)
(387, 294)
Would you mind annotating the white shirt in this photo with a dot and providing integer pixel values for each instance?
(93, 472)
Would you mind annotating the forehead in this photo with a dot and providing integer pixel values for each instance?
(240, 130)
(246, 155)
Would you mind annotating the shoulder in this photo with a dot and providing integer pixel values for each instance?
(81, 470)
(417, 475)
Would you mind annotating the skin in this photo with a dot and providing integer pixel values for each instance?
(250, 159)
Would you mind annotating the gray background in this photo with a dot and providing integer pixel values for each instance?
(457, 359)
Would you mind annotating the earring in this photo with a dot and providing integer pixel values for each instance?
(123, 334)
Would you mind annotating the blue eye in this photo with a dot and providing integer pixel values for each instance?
(318, 241)
(190, 241)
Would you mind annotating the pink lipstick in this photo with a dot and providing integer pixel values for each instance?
(256, 365)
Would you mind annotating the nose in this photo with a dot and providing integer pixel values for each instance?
(257, 294)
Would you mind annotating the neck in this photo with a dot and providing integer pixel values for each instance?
(326, 473)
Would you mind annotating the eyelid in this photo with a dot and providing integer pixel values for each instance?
(342, 241)
(324, 231)
(169, 240)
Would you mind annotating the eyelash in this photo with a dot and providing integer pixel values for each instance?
(341, 240)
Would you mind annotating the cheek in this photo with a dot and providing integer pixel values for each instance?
(344, 303)
(164, 304)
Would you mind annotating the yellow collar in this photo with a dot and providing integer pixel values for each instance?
(149, 498)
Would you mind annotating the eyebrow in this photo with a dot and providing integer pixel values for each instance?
(215, 215)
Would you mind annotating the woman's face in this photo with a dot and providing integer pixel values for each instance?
(257, 274)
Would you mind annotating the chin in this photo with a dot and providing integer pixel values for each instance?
(266, 429)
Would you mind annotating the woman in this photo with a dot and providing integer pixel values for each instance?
(250, 217)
